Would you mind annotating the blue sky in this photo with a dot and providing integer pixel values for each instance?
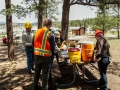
(77, 12)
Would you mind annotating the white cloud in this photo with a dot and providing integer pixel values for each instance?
(79, 12)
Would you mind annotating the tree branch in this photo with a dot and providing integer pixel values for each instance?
(88, 2)
(35, 4)
(73, 2)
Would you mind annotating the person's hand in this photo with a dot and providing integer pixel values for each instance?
(28, 44)
(97, 59)
(58, 49)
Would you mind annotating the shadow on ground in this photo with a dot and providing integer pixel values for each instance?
(17, 49)
(67, 77)
(20, 80)
(114, 68)
(12, 78)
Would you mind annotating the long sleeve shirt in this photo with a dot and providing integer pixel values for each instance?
(27, 39)
(102, 48)
(52, 43)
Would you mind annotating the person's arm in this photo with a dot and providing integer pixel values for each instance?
(56, 48)
(24, 40)
(52, 43)
(99, 46)
(61, 39)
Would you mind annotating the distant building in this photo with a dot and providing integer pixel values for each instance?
(77, 31)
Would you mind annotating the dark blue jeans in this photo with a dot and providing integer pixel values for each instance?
(52, 58)
(30, 57)
(51, 63)
(103, 64)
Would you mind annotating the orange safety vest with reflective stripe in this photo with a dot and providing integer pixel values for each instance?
(41, 42)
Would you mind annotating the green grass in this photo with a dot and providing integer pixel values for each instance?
(2, 36)
(113, 32)
(114, 48)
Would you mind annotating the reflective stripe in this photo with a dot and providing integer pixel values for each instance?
(44, 39)
(42, 51)
(42, 54)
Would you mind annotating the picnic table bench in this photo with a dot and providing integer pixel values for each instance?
(95, 65)
(56, 73)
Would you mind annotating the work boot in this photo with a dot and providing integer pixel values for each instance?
(31, 72)
(33, 69)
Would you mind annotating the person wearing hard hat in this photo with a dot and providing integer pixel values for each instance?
(102, 56)
(44, 46)
(27, 40)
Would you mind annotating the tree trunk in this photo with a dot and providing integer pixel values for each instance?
(118, 23)
(40, 13)
(65, 19)
(9, 32)
(104, 19)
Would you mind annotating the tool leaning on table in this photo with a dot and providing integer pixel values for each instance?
(76, 56)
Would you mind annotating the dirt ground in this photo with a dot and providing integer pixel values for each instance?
(14, 76)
